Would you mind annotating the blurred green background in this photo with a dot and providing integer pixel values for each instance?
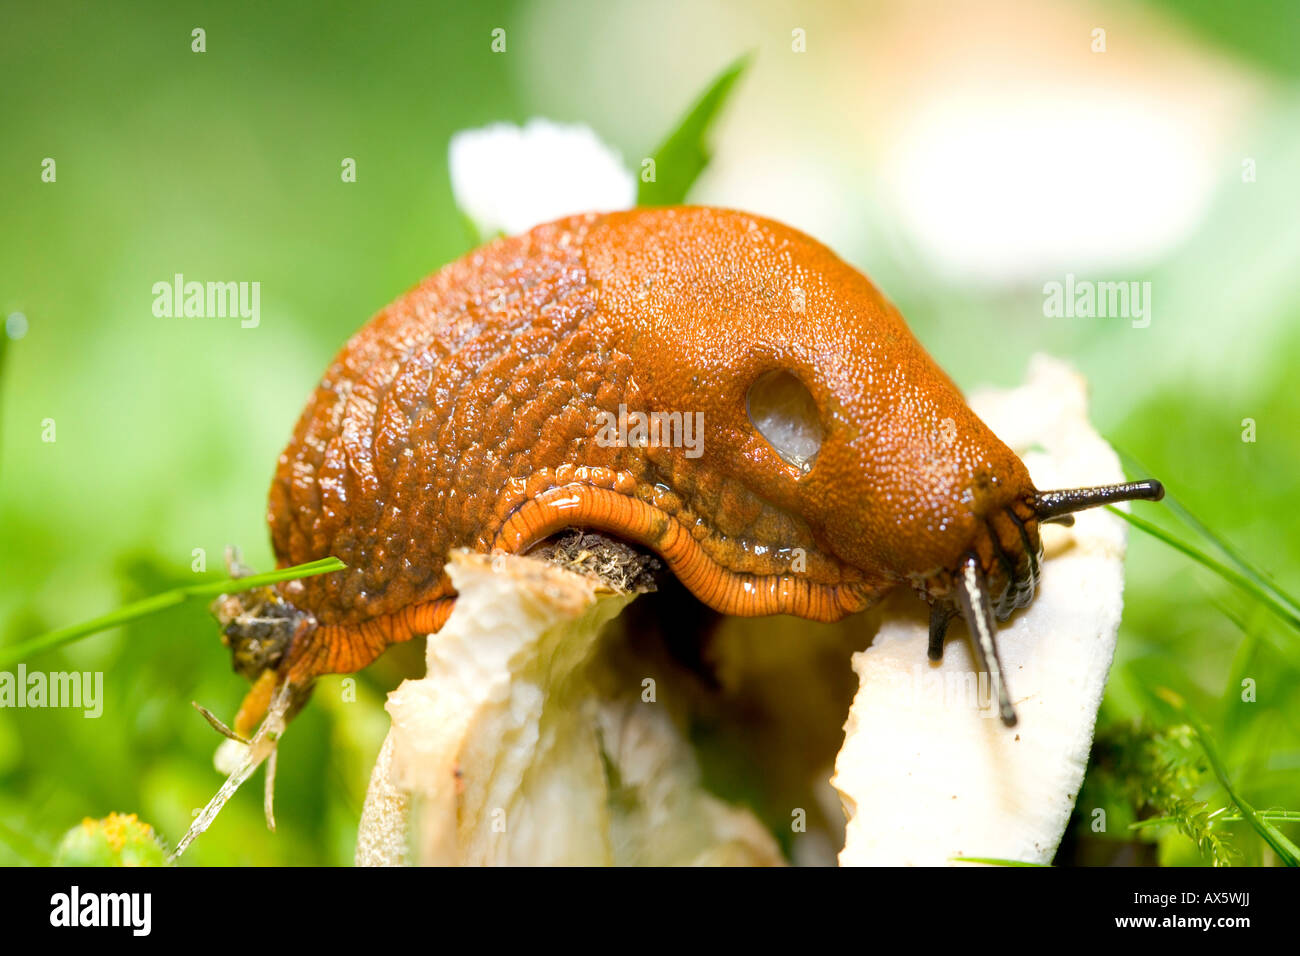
(226, 165)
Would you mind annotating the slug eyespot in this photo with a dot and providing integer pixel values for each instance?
(784, 412)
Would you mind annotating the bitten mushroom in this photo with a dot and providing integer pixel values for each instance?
(523, 746)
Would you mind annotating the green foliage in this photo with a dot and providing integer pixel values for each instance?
(1265, 589)
(1139, 773)
(1278, 602)
(684, 154)
(1264, 31)
(1283, 847)
(1161, 782)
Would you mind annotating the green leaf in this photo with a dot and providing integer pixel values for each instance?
(1287, 851)
(160, 602)
(681, 158)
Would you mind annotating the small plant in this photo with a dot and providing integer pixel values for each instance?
(1157, 773)
(119, 839)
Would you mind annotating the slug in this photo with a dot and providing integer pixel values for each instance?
(713, 386)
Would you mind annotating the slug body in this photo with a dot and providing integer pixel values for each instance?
(830, 460)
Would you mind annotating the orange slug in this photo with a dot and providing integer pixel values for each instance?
(791, 448)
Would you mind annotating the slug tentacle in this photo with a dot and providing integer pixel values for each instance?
(976, 607)
(941, 615)
(1050, 505)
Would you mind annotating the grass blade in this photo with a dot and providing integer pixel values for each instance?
(993, 861)
(681, 158)
(1279, 607)
(1279, 816)
(160, 602)
(1231, 553)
